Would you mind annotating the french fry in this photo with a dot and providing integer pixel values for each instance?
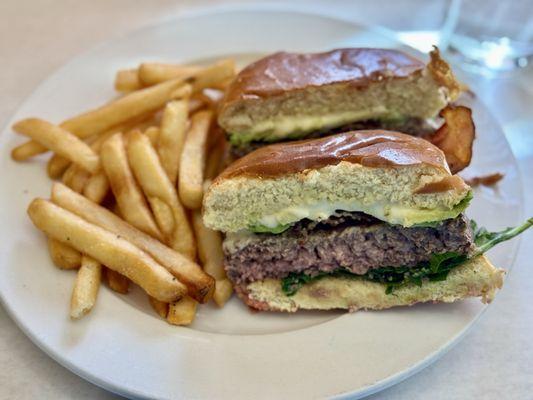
(153, 134)
(127, 80)
(182, 312)
(172, 137)
(209, 247)
(97, 187)
(133, 105)
(192, 162)
(154, 73)
(199, 284)
(160, 307)
(127, 192)
(27, 150)
(212, 75)
(195, 104)
(85, 288)
(200, 79)
(63, 256)
(107, 248)
(75, 177)
(117, 282)
(60, 141)
(56, 165)
(223, 292)
(161, 194)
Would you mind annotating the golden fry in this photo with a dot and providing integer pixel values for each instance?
(60, 141)
(56, 165)
(209, 247)
(199, 284)
(192, 162)
(153, 134)
(97, 187)
(154, 73)
(161, 194)
(127, 192)
(27, 150)
(85, 288)
(118, 283)
(127, 80)
(172, 137)
(63, 256)
(182, 312)
(75, 178)
(107, 248)
(223, 292)
(160, 307)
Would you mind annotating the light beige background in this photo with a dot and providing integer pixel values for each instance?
(494, 361)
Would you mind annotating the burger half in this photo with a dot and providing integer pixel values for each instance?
(359, 220)
(288, 96)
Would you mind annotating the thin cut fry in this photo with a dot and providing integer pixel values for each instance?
(160, 307)
(27, 150)
(118, 283)
(56, 166)
(85, 288)
(97, 187)
(199, 284)
(153, 134)
(212, 75)
(209, 247)
(75, 177)
(107, 248)
(127, 192)
(63, 256)
(60, 141)
(182, 312)
(161, 194)
(172, 137)
(154, 73)
(127, 80)
(192, 162)
(223, 292)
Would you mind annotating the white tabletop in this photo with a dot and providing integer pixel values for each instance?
(493, 361)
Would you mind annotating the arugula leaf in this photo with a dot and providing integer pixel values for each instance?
(486, 240)
(434, 270)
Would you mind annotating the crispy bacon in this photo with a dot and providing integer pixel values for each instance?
(456, 137)
(485, 180)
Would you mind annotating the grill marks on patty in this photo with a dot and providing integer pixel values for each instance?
(352, 241)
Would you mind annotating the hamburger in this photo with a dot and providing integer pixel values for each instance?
(360, 220)
(289, 96)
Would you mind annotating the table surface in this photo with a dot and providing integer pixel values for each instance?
(493, 361)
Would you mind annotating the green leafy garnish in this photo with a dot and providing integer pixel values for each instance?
(486, 240)
(436, 269)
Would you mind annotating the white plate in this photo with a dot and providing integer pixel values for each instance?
(232, 353)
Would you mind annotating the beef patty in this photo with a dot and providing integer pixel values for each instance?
(352, 241)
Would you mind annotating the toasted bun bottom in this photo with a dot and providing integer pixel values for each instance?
(476, 278)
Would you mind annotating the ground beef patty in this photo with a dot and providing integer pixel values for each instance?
(353, 241)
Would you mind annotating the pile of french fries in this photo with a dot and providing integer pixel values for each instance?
(132, 176)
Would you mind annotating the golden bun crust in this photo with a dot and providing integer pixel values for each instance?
(475, 278)
(281, 72)
(370, 148)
